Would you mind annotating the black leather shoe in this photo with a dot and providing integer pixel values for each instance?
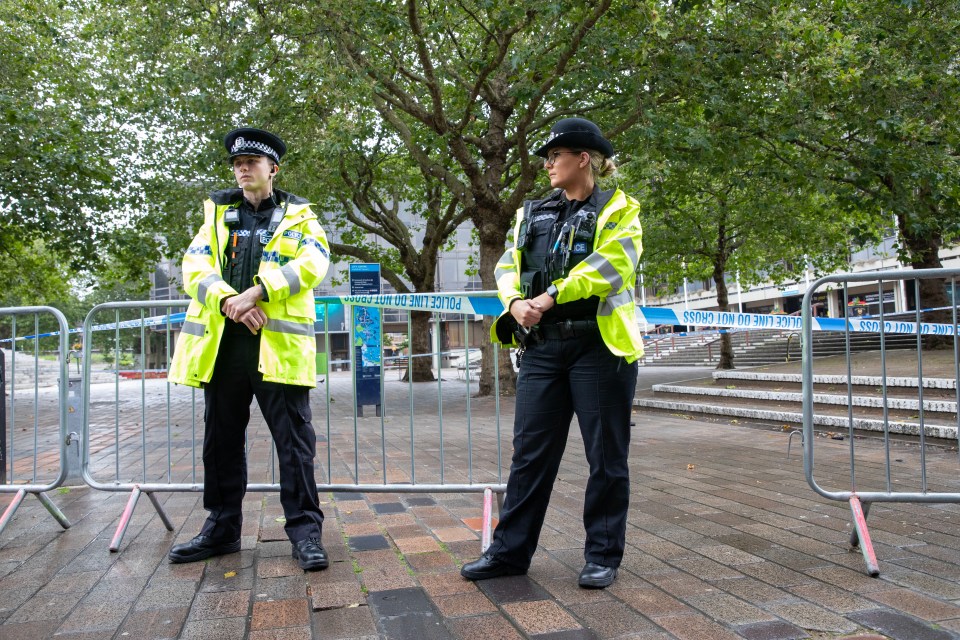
(489, 567)
(201, 548)
(596, 576)
(310, 554)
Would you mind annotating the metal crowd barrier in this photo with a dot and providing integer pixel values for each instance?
(143, 434)
(903, 473)
(36, 428)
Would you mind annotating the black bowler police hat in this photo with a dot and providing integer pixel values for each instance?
(247, 141)
(576, 133)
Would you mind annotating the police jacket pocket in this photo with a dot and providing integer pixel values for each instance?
(298, 404)
(300, 306)
(288, 247)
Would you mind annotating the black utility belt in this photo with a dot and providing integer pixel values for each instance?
(566, 329)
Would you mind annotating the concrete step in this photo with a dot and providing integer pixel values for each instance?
(869, 381)
(26, 372)
(904, 404)
(764, 348)
(948, 432)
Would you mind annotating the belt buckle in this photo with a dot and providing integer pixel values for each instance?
(566, 329)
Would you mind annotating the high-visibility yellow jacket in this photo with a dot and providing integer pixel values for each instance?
(609, 272)
(294, 261)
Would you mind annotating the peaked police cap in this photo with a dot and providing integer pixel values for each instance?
(247, 141)
(576, 133)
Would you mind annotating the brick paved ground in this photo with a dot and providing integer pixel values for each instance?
(725, 538)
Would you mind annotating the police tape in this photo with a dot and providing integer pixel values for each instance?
(754, 321)
(480, 305)
(489, 306)
(152, 321)
(486, 305)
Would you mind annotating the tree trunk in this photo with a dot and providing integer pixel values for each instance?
(924, 254)
(421, 345)
(723, 300)
(493, 238)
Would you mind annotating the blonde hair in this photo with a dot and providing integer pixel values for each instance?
(600, 165)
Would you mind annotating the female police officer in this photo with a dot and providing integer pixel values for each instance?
(568, 287)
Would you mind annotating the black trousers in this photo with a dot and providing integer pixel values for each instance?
(286, 408)
(559, 378)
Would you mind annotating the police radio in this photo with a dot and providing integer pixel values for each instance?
(575, 239)
(275, 220)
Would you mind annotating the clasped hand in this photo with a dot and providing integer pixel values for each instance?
(528, 313)
(243, 308)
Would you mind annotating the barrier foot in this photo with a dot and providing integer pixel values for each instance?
(862, 536)
(790, 440)
(160, 511)
(11, 509)
(54, 510)
(486, 532)
(125, 519)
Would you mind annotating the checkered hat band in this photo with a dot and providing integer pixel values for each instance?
(241, 145)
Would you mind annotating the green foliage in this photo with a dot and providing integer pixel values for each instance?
(74, 158)
(32, 274)
(468, 90)
(56, 175)
(759, 136)
(794, 132)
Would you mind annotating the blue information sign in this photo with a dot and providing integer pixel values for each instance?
(365, 280)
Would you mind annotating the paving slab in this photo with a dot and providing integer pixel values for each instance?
(900, 626)
(725, 540)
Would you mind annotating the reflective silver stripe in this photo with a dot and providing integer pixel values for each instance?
(615, 301)
(193, 328)
(606, 269)
(507, 259)
(293, 280)
(286, 326)
(630, 250)
(204, 285)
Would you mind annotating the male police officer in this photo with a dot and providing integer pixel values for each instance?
(249, 331)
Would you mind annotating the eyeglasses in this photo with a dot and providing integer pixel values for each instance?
(551, 158)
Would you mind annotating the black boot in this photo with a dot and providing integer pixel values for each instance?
(489, 567)
(201, 548)
(310, 554)
(596, 576)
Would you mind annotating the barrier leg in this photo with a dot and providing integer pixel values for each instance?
(862, 536)
(854, 538)
(53, 509)
(11, 509)
(486, 532)
(125, 519)
(160, 511)
(44, 500)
